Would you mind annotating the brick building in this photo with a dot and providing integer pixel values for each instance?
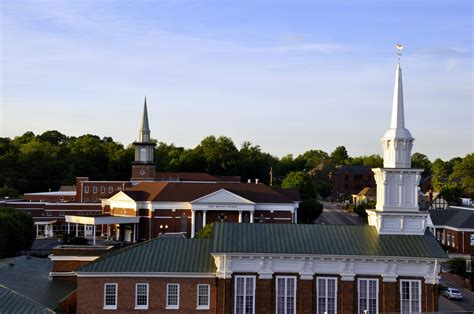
(454, 228)
(267, 268)
(348, 180)
(155, 202)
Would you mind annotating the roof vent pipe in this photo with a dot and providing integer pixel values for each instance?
(256, 181)
(249, 180)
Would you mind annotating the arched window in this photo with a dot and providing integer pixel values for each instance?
(143, 154)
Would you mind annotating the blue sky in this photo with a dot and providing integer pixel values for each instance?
(287, 75)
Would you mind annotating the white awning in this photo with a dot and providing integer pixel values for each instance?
(43, 223)
(101, 220)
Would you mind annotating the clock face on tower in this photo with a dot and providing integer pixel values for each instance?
(142, 172)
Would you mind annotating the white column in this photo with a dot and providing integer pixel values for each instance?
(108, 232)
(77, 230)
(193, 223)
(134, 233)
(93, 234)
(240, 216)
(204, 218)
(251, 217)
(68, 228)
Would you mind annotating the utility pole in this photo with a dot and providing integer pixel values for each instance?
(271, 176)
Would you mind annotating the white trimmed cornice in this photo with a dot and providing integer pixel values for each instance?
(390, 268)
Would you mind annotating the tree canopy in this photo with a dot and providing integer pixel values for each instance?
(33, 163)
(17, 231)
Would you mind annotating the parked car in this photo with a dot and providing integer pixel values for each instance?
(452, 293)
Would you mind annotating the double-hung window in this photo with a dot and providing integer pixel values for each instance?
(285, 294)
(368, 291)
(110, 296)
(410, 296)
(172, 296)
(203, 297)
(141, 296)
(244, 292)
(326, 288)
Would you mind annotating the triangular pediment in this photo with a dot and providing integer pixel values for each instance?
(222, 196)
(122, 197)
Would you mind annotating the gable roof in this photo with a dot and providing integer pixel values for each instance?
(14, 302)
(453, 217)
(345, 240)
(369, 192)
(292, 194)
(160, 255)
(187, 192)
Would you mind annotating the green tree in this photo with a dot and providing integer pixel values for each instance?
(463, 175)
(53, 137)
(372, 161)
(339, 156)
(458, 266)
(440, 174)
(301, 181)
(309, 210)
(17, 231)
(421, 161)
(205, 233)
(220, 154)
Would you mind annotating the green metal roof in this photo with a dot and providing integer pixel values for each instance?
(13, 302)
(345, 240)
(157, 255)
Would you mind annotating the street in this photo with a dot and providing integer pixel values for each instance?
(466, 305)
(334, 215)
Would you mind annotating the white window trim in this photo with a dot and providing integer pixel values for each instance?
(102, 190)
(376, 293)
(294, 292)
(94, 189)
(203, 307)
(253, 292)
(172, 306)
(111, 189)
(111, 307)
(86, 189)
(326, 296)
(409, 300)
(142, 307)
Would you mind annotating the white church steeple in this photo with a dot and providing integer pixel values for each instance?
(397, 141)
(397, 210)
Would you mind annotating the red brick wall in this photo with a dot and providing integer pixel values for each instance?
(68, 303)
(90, 294)
(65, 266)
(468, 248)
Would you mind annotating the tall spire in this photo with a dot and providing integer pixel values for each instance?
(398, 115)
(144, 134)
(397, 141)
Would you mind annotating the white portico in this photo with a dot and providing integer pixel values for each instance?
(397, 210)
(222, 201)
